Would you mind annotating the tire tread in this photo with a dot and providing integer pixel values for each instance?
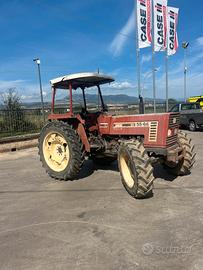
(144, 169)
(77, 151)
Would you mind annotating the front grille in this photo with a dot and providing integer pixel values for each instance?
(171, 140)
(153, 131)
(174, 120)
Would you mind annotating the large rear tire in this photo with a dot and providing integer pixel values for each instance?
(184, 166)
(135, 169)
(61, 151)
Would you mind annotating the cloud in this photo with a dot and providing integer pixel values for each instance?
(120, 39)
(25, 89)
(5, 85)
(33, 96)
(30, 92)
(199, 41)
(146, 58)
(176, 89)
(121, 85)
(194, 63)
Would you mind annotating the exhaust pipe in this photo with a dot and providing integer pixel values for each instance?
(141, 105)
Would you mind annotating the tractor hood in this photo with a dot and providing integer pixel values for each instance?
(153, 127)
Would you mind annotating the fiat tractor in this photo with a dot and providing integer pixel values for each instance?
(135, 141)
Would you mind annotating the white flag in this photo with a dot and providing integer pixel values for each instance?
(172, 37)
(144, 23)
(160, 24)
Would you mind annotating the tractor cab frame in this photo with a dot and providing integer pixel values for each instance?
(75, 81)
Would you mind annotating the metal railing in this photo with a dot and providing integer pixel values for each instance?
(20, 122)
(134, 108)
(28, 121)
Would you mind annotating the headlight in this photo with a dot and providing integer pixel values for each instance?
(169, 132)
(175, 131)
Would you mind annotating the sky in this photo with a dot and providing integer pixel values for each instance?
(79, 36)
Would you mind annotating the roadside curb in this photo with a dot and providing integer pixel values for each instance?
(18, 143)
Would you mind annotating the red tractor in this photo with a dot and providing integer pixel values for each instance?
(136, 141)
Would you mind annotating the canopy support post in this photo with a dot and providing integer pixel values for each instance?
(71, 98)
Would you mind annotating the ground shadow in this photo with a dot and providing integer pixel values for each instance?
(90, 167)
(160, 172)
(87, 170)
(110, 167)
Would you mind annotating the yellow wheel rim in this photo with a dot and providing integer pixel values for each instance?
(125, 170)
(56, 151)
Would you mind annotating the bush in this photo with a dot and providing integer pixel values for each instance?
(13, 119)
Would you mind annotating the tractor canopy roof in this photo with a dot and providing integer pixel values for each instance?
(81, 80)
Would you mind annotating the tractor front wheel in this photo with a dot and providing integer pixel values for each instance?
(184, 166)
(60, 150)
(135, 169)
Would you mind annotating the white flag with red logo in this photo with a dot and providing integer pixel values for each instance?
(160, 25)
(144, 23)
(172, 37)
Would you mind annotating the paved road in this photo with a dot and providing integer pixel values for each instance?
(92, 223)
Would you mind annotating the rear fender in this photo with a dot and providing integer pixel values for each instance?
(82, 134)
(77, 123)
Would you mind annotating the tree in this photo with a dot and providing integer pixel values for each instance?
(14, 117)
(11, 100)
(172, 101)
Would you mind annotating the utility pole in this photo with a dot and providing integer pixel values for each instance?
(37, 61)
(185, 46)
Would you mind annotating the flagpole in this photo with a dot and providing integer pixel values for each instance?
(166, 62)
(153, 65)
(138, 54)
(154, 78)
(138, 73)
(166, 59)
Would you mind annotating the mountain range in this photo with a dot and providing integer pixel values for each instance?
(93, 99)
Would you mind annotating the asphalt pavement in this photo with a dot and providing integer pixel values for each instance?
(92, 223)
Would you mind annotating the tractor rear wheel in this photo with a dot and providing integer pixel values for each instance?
(135, 169)
(61, 151)
(184, 166)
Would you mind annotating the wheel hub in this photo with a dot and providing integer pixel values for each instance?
(59, 150)
(192, 125)
(56, 151)
(126, 171)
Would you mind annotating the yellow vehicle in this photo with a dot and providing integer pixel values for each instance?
(198, 99)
